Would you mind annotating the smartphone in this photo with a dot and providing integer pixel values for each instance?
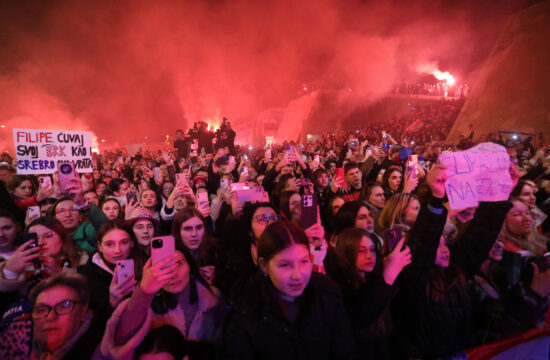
(20, 240)
(181, 178)
(202, 197)
(268, 154)
(245, 156)
(161, 248)
(340, 173)
(353, 143)
(411, 170)
(45, 181)
(131, 197)
(244, 171)
(222, 160)
(156, 171)
(125, 269)
(231, 159)
(309, 211)
(304, 158)
(224, 184)
(392, 237)
(121, 160)
(33, 212)
(384, 135)
(66, 174)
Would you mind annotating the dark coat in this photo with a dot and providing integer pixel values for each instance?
(258, 328)
(432, 328)
(415, 320)
(368, 307)
(99, 282)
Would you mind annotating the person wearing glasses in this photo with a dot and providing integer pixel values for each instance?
(238, 248)
(80, 218)
(63, 326)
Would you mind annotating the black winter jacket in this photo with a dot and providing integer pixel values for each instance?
(368, 307)
(99, 281)
(258, 328)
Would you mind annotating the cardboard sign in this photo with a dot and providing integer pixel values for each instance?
(38, 151)
(478, 174)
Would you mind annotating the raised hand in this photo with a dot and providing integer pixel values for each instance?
(155, 277)
(411, 182)
(318, 251)
(396, 261)
(44, 193)
(436, 179)
(284, 162)
(117, 292)
(514, 174)
(22, 258)
(130, 207)
(204, 209)
(315, 233)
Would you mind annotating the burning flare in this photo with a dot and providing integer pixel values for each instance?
(433, 68)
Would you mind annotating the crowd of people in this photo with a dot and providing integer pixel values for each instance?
(324, 250)
(424, 124)
(438, 89)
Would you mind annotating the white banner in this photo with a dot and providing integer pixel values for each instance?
(38, 151)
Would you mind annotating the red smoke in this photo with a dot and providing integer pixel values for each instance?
(130, 69)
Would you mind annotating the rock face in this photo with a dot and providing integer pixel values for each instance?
(512, 92)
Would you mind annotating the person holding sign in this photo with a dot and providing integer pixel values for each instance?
(435, 307)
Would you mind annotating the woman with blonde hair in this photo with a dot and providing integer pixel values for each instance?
(518, 233)
(401, 210)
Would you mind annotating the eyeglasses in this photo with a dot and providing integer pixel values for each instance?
(168, 188)
(263, 220)
(48, 235)
(62, 308)
(62, 211)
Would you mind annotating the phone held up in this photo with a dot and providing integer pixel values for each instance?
(125, 269)
(161, 248)
(66, 174)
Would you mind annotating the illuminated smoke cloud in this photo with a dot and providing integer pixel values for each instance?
(130, 69)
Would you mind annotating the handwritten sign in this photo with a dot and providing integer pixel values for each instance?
(38, 151)
(478, 174)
